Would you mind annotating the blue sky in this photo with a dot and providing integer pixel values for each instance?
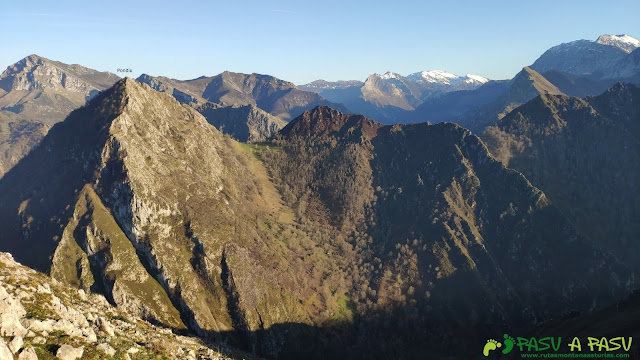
(301, 41)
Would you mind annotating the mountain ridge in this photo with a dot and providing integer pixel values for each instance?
(388, 97)
(555, 139)
(278, 97)
(249, 107)
(526, 85)
(579, 57)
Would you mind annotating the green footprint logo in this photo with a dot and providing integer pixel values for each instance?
(490, 345)
(508, 344)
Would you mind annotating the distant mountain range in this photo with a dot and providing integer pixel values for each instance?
(388, 96)
(578, 68)
(256, 106)
(277, 97)
(35, 93)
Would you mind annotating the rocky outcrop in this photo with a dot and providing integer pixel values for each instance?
(324, 121)
(44, 317)
(68, 352)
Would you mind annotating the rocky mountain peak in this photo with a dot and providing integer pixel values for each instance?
(526, 85)
(32, 60)
(324, 121)
(621, 87)
(36, 93)
(35, 72)
(390, 90)
(155, 82)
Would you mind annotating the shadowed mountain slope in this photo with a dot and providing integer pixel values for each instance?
(584, 153)
(453, 105)
(453, 235)
(246, 123)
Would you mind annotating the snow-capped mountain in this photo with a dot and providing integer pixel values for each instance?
(319, 85)
(391, 75)
(384, 96)
(414, 88)
(446, 78)
(626, 43)
(580, 57)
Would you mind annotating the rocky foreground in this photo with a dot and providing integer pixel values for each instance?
(41, 318)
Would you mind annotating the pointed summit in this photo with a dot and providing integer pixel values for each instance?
(77, 193)
(528, 84)
(142, 130)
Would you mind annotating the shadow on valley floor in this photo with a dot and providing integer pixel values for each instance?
(394, 335)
